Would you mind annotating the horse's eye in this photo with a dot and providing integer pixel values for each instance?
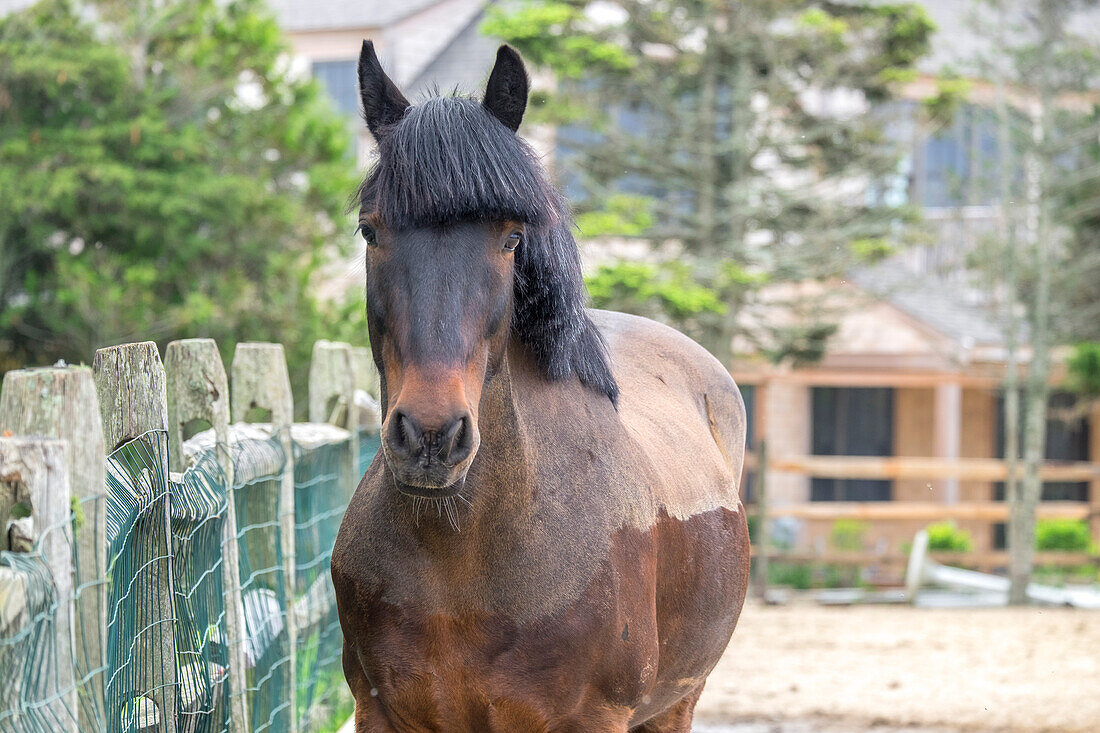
(512, 241)
(369, 235)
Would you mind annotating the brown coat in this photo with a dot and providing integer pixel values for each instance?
(599, 567)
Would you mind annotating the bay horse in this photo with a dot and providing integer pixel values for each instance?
(550, 538)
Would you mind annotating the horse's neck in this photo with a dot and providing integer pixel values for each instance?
(502, 456)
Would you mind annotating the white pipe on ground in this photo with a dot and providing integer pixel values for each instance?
(922, 570)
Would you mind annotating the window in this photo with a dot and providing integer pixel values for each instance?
(852, 421)
(957, 165)
(748, 394)
(340, 81)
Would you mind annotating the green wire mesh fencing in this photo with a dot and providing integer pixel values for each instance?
(321, 493)
(29, 697)
(258, 468)
(140, 673)
(166, 642)
(47, 684)
(198, 509)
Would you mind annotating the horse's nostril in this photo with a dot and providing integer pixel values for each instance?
(404, 435)
(453, 436)
(456, 441)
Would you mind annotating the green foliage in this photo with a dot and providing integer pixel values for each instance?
(795, 575)
(557, 35)
(848, 535)
(702, 108)
(622, 215)
(1083, 369)
(951, 93)
(164, 176)
(869, 250)
(1063, 535)
(77, 511)
(947, 537)
(658, 291)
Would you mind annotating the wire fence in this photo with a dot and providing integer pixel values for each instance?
(166, 645)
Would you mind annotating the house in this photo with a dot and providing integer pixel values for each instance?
(424, 45)
(916, 365)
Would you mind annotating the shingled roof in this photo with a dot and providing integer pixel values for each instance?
(309, 15)
(963, 313)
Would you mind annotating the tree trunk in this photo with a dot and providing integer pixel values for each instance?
(1022, 516)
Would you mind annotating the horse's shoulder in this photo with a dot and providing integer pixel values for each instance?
(681, 408)
(639, 342)
(643, 350)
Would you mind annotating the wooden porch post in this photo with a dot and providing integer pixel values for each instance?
(947, 427)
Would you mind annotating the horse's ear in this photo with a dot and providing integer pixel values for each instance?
(383, 102)
(506, 92)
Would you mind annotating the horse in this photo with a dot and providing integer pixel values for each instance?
(550, 537)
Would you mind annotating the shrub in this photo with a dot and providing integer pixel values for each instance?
(847, 535)
(794, 575)
(947, 537)
(1064, 535)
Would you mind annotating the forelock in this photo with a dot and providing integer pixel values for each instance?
(449, 160)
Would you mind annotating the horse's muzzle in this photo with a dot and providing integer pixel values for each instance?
(430, 463)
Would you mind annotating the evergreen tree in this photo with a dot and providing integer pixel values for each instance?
(1045, 258)
(747, 135)
(164, 174)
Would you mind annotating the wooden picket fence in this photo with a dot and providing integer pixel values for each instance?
(59, 427)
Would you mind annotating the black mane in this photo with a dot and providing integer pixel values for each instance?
(449, 160)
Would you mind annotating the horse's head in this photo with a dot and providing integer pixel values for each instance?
(466, 242)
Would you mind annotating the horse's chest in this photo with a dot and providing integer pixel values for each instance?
(588, 666)
(488, 674)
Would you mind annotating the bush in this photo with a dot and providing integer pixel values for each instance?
(847, 535)
(797, 575)
(1063, 535)
(947, 537)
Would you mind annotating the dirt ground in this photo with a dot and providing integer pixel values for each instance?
(804, 668)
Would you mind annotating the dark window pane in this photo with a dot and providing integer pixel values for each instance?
(339, 80)
(1067, 440)
(748, 394)
(855, 421)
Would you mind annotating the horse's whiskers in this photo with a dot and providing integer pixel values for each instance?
(452, 512)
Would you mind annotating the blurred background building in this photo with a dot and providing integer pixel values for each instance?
(917, 361)
(916, 364)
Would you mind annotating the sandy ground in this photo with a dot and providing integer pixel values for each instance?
(805, 668)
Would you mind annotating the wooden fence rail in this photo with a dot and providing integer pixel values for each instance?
(923, 511)
(923, 469)
(989, 558)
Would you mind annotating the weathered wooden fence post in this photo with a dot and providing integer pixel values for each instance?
(332, 384)
(365, 377)
(61, 403)
(332, 400)
(199, 390)
(260, 380)
(34, 472)
(130, 382)
(365, 373)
